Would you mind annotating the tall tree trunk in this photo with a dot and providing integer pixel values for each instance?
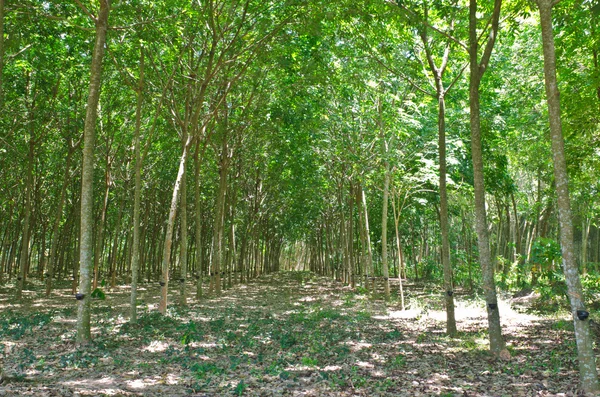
(342, 243)
(24, 256)
(518, 250)
(198, 221)
(166, 261)
(183, 254)
(444, 227)
(441, 91)
(364, 227)
(87, 178)
(351, 238)
(497, 344)
(6, 242)
(384, 218)
(585, 350)
(135, 253)
(399, 249)
(219, 225)
(115, 246)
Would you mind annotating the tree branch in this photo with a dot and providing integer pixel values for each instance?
(87, 12)
(427, 24)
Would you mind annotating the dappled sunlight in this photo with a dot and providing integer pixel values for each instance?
(313, 339)
(105, 386)
(399, 314)
(156, 346)
(356, 346)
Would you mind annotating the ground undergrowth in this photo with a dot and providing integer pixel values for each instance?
(288, 334)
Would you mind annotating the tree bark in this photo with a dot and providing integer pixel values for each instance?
(587, 362)
(438, 73)
(166, 261)
(364, 235)
(219, 225)
(183, 254)
(25, 240)
(444, 227)
(350, 239)
(87, 178)
(198, 221)
(399, 249)
(135, 252)
(384, 211)
(478, 68)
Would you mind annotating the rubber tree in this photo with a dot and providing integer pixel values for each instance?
(478, 68)
(585, 348)
(135, 251)
(87, 174)
(436, 81)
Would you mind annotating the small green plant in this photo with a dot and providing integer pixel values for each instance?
(356, 378)
(468, 344)
(239, 389)
(361, 290)
(393, 335)
(309, 362)
(203, 369)
(98, 294)
(191, 334)
(398, 361)
(349, 300)
(286, 340)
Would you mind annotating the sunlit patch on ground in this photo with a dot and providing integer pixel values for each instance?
(156, 346)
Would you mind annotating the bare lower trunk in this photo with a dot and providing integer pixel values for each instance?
(166, 261)
(400, 259)
(87, 178)
(183, 255)
(497, 344)
(24, 256)
(135, 250)
(365, 241)
(384, 254)
(585, 351)
(351, 239)
(219, 226)
(444, 228)
(198, 221)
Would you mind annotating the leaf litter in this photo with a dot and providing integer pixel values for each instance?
(286, 334)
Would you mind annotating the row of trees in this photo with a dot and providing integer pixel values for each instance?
(218, 140)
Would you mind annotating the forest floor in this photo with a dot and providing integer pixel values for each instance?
(287, 334)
